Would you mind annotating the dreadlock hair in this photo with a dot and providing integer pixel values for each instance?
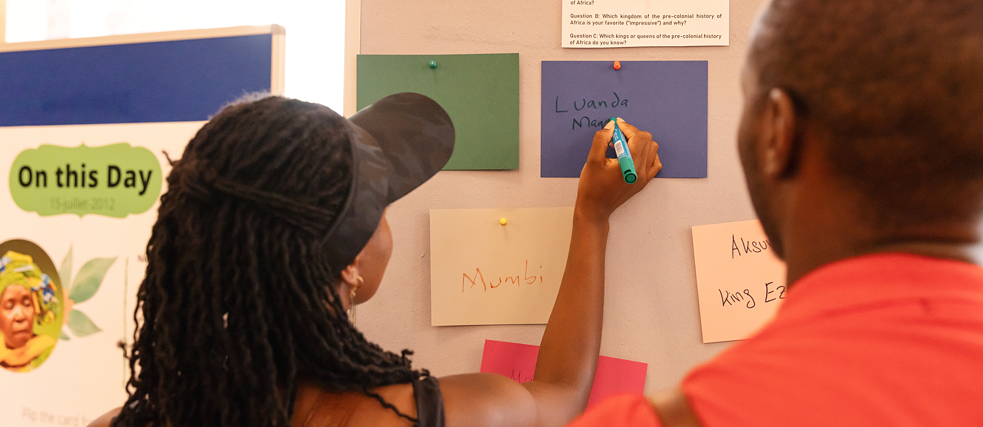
(239, 302)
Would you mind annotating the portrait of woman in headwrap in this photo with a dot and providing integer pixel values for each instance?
(27, 298)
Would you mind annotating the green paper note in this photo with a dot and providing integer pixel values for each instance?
(479, 92)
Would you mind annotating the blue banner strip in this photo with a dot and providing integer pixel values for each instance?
(183, 80)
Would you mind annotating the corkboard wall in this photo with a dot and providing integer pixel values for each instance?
(651, 312)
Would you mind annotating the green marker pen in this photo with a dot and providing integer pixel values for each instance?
(624, 156)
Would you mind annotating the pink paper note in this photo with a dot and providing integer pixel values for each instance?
(518, 361)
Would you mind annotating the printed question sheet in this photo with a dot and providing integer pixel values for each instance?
(635, 23)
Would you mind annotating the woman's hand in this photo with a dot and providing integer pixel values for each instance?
(602, 187)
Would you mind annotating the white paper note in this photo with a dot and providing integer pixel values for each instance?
(635, 23)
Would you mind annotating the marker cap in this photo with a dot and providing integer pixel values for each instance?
(628, 168)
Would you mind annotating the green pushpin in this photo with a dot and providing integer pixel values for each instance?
(433, 64)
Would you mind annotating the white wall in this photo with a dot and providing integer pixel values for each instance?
(651, 312)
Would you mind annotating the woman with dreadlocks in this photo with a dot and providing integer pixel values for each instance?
(273, 227)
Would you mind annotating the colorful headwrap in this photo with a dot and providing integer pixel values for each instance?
(20, 269)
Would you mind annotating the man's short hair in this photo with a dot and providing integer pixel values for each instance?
(897, 90)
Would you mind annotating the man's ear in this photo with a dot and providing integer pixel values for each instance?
(779, 157)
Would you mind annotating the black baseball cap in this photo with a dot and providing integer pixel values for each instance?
(398, 143)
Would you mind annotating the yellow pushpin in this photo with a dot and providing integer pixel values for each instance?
(503, 221)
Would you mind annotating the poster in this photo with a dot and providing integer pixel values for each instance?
(84, 215)
(86, 129)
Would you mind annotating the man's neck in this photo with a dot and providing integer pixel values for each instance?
(826, 227)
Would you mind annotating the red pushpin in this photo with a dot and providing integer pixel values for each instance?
(617, 65)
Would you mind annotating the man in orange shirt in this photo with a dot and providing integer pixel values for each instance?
(862, 146)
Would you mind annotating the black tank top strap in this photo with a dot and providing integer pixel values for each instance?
(429, 402)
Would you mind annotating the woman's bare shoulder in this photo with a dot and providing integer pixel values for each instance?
(487, 400)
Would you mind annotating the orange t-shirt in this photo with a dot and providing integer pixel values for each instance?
(878, 340)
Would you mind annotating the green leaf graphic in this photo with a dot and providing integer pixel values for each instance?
(64, 336)
(81, 325)
(65, 272)
(89, 279)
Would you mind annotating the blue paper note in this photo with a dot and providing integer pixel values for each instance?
(665, 98)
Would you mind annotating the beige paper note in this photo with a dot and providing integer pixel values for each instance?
(486, 273)
(739, 279)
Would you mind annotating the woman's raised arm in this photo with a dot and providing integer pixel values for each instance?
(569, 349)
